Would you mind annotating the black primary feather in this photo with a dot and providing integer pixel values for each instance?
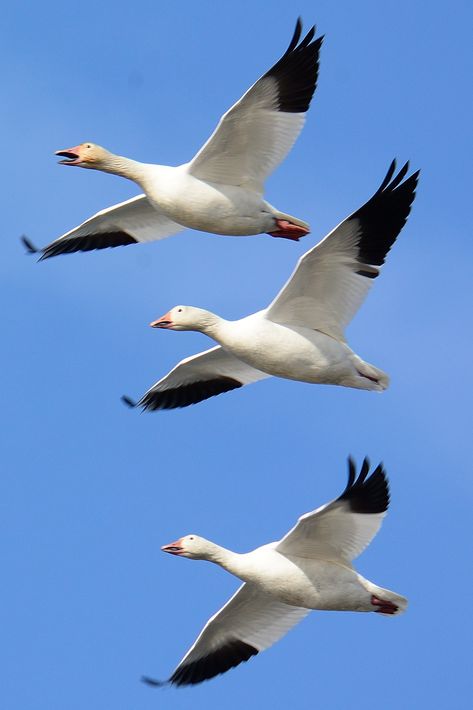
(297, 71)
(185, 395)
(87, 243)
(366, 494)
(221, 660)
(383, 216)
(30, 247)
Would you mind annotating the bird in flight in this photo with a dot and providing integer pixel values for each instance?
(309, 568)
(221, 189)
(300, 335)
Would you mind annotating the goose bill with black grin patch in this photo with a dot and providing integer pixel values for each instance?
(72, 158)
(163, 322)
(174, 548)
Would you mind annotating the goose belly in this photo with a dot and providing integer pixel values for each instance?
(290, 352)
(219, 209)
(334, 587)
(315, 584)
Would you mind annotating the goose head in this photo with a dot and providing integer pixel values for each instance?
(192, 546)
(85, 155)
(185, 318)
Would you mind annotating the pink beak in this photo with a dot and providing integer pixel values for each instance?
(175, 548)
(164, 322)
(72, 155)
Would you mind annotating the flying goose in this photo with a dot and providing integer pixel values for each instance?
(300, 336)
(309, 568)
(221, 189)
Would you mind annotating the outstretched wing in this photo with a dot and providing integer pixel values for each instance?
(129, 222)
(257, 133)
(197, 378)
(332, 279)
(341, 530)
(250, 622)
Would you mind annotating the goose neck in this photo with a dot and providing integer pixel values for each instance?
(231, 561)
(125, 167)
(212, 325)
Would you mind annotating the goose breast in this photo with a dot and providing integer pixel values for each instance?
(206, 206)
(291, 352)
(307, 583)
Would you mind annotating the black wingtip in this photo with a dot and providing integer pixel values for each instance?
(366, 494)
(230, 654)
(351, 473)
(128, 401)
(365, 468)
(383, 216)
(388, 176)
(30, 247)
(296, 72)
(153, 683)
(185, 395)
(295, 37)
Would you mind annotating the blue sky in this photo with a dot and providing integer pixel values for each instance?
(90, 490)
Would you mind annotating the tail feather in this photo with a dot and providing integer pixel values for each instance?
(291, 219)
(379, 378)
(387, 595)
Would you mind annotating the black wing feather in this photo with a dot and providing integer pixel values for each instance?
(383, 216)
(221, 660)
(228, 656)
(87, 243)
(366, 494)
(297, 71)
(187, 394)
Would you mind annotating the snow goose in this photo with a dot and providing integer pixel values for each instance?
(221, 189)
(300, 336)
(309, 568)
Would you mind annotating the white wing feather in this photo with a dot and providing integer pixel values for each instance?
(135, 217)
(325, 291)
(193, 379)
(332, 531)
(249, 616)
(250, 141)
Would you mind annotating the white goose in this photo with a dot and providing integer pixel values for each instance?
(221, 189)
(300, 336)
(309, 568)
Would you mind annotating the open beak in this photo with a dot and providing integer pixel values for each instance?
(164, 322)
(174, 548)
(71, 154)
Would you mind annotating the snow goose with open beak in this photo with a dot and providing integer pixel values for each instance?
(221, 189)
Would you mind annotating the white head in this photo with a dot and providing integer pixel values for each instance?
(192, 546)
(86, 155)
(185, 318)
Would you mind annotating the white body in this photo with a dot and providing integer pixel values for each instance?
(206, 206)
(307, 583)
(295, 353)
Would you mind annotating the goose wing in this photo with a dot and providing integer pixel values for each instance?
(340, 530)
(197, 378)
(250, 622)
(332, 279)
(129, 222)
(257, 133)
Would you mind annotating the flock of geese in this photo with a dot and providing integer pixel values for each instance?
(299, 336)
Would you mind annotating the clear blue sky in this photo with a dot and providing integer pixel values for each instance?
(90, 490)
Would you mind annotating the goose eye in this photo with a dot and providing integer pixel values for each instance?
(179, 310)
